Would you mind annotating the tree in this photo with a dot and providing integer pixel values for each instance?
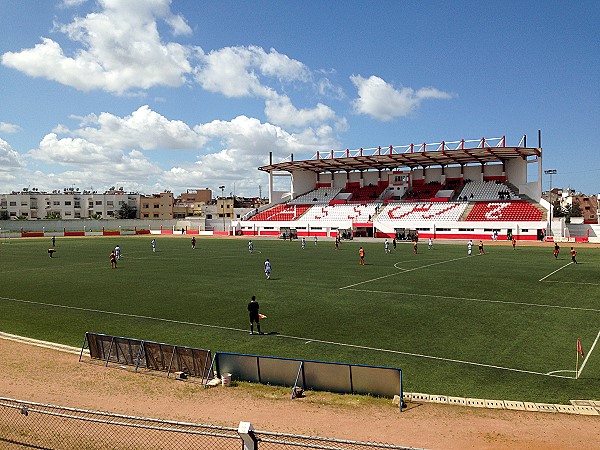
(557, 210)
(127, 212)
(53, 215)
(575, 210)
(4, 215)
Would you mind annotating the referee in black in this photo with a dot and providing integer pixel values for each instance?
(253, 310)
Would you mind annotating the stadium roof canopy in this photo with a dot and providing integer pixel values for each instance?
(423, 155)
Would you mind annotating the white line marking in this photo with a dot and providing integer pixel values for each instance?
(407, 270)
(561, 371)
(397, 352)
(552, 273)
(588, 355)
(572, 282)
(538, 305)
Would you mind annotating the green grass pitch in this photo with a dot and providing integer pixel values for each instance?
(499, 326)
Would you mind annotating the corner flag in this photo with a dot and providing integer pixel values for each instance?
(579, 348)
(262, 316)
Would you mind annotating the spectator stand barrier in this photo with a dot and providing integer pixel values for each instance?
(326, 376)
(43, 426)
(153, 357)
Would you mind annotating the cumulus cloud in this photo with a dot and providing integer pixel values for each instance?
(9, 128)
(245, 144)
(121, 50)
(144, 129)
(383, 101)
(240, 71)
(106, 148)
(280, 110)
(9, 158)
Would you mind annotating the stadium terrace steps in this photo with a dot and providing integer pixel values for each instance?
(283, 213)
(487, 190)
(504, 211)
(320, 196)
(424, 211)
(354, 212)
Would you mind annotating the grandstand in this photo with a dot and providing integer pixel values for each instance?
(465, 189)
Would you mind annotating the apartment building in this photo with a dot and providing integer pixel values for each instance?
(67, 204)
(156, 206)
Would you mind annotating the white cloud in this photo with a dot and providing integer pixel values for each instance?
(280, 111)
(245, 145)
(9, 128)
(240, 71)
(143, 129)
(9, 158)
(383, 101)
(72, 3)
(121, 50)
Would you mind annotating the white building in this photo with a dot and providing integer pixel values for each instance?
(68, 204)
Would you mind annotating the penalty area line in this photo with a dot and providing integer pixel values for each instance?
(403, 271)
(588, 355)
(552, 273)
(483, 300)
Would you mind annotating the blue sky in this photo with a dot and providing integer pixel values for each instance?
(157, 94)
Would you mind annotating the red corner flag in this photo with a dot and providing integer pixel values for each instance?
(262, 316)
(579, 349)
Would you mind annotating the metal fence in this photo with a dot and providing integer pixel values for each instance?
(41, 426)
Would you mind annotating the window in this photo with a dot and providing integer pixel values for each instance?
(13, 214)
(13, 203)
(155, 215)
(23, 203)
(145, 215)
(67, 202)
(98, 202)
(67, 213)
(56, 203)
(78, 215)
(156, 205)
(145, 206)
(77, 205)
(109, 203)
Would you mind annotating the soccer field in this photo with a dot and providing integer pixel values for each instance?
(503, 325)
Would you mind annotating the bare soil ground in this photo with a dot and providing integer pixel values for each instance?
(49, 376)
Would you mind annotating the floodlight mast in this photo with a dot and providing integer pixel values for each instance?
(550, 172)
(223, 204)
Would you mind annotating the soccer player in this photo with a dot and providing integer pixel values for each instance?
(470, 247)
(193, 242)
(556, 250)
(254, 316)
(303, 243)
(387, 246)
(481, 251)
(154, 245)
(315, 239)
(250, 246)
(394, 243)
(361, 253)
(113, 260)
(514, 243)
(430, 244)
(268, 269)
(118, 252)
(573, 254)
(53, 241)
(415, 243)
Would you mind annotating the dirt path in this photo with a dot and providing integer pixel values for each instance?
(50, 376)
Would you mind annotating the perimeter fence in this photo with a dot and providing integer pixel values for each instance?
(41, 426)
